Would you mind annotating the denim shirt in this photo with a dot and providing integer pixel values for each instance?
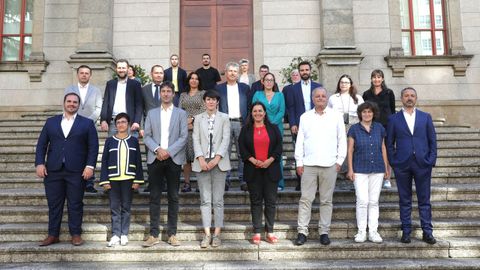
(367, 150)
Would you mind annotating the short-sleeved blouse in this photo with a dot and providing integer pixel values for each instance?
(367, 151)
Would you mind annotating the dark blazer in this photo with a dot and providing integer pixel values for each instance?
(402, 144)
(111, 164)
(295, 104)
(149, 101)
(245, 142)
(133, 100)
(76, 151)
(181, 78)
(242, 91)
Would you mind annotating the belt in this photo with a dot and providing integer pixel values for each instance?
(239, 119)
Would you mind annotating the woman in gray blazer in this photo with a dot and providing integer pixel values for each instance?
(211, 138)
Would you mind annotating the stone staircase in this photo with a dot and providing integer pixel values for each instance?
(455, 203)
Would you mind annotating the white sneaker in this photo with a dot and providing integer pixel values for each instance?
(115, 240)
(387, 184)
(361, 237)
(123, 240)
(374, 237)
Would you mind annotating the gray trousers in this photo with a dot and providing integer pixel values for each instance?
(212, 188)
(235, 127)
(322, 179)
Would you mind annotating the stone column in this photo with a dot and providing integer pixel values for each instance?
(95, 40)
(339, 54)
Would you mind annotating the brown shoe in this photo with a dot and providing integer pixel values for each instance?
(172, 240)
(77, 240)
(50, 240)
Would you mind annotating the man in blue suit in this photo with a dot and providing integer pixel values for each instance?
(234, 102)
(412, 153)
(177, 76)
(71, 142)
(90, 105)
(122, 95)
(298, 99)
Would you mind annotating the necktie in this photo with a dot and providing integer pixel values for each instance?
(155, 96)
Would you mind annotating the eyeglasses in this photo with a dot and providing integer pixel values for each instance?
(341, 82)
(269, 80)
(122, 122)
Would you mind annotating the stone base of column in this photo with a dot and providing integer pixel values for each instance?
(102, 64)
(333, 62)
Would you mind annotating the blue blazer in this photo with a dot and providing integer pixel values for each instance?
(243, 90)
(181, 78)
(402, 144)
(76, 151)
(133, 100)
(295, 104)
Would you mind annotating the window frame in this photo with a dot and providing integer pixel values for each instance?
(22, 35)
(433, 28)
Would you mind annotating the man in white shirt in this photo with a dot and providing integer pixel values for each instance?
(320, 150)
(90, 104)
(234, 102)
(165, 136)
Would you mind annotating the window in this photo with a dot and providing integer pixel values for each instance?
(16, 29)
(419, 35)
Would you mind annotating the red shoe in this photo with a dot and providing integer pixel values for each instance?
(256, 239)
(271, 238)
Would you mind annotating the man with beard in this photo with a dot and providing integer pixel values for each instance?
(209, 75)
(412, 152)
(298, 100)
(71, 142)
(121, 95)
(177, 76)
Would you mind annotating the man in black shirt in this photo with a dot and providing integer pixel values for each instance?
(209, 75)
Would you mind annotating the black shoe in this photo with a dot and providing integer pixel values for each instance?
(301, 239)
(227, 187)
(91, 190)
(298, 187)
(405, 238)
(147, 188)
(324, 240)
(244, 187)
(429, 239)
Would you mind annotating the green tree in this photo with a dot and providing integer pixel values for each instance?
(285, 72)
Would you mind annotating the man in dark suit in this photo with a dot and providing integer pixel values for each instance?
(233, 101)
(90, 104)
(72, 144)
(412, 153)
(298, 99)
(121, 95)
(177, 76)
(166, 155)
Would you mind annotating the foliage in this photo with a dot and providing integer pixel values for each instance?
(140, 75)
(285, 72)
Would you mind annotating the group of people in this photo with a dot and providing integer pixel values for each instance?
(190, 121)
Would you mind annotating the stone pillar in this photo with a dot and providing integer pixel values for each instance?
(37, 63)
(339, 54)
(95, 40)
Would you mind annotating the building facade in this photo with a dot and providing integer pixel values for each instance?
(432, 45)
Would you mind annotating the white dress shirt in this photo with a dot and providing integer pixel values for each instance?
(67, 124)
(321, 139)
(83, 92)
(410, 118)
(344, 103)
(120, 104)
(165, 116)
(307, 93)
(233, 100)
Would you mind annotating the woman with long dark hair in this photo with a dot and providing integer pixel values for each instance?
(191, 101)
(260, 145)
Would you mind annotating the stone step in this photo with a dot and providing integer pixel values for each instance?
(33, 232)
(235, 250)
(458, 192)
(239, 212)
(260, 264)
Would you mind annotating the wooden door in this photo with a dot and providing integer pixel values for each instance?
(221, 28)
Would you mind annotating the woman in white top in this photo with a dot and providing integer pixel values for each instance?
(244, 76)
(346, 101)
